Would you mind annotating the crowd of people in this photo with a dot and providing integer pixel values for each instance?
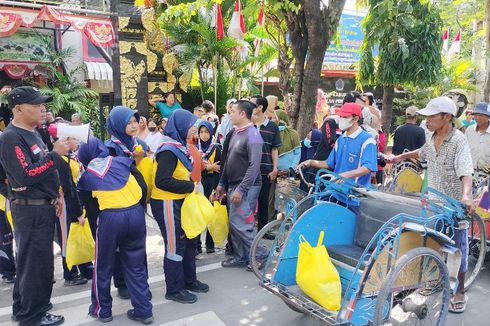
(51, 183)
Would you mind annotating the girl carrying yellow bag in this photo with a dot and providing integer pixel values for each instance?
(316, 276)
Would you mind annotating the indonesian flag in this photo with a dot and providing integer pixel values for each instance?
(237, 23)
(445, 41)
(260, 23)
(220, 31)
(456, 46)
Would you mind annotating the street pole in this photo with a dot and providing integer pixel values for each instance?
(116, 62)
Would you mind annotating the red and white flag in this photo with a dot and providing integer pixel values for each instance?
(455, 46)
(220, 31)
(260, 23)
(237, 23)
(445, 41)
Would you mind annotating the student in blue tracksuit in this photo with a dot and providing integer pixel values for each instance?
(211, 154)
(121, 228)
(122, 126)
(172, 183)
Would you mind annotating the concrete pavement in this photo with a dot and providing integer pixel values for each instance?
(234, 299)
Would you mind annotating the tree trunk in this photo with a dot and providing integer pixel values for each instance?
(284, 67)
(387, 112)
(321, 23)
(299, 45)
(486, 90)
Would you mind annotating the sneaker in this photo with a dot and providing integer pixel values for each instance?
(145, 321)
(77, 280)
(50, 320)
(210, 250)
(123, 293)
(183, 296)
(8, 279)
(232, 262)
(197, 286)
(101, 319)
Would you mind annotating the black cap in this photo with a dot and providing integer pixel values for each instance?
(26, 95)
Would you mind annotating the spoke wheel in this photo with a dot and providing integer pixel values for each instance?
(262, 246)
(416, 291)
(477, 249)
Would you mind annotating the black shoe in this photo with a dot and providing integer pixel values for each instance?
(50, 320)
(183, 296)
(233, 263)
(210, 250)
(101, 319)
(197, 286)
(77, 280)
(123, 293)
(269, 236)
(8, 279)
(48, 308)
(145, 321)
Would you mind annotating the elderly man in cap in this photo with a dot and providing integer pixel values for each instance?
(33, 191)
(450, 171)
(410, 136)
(354, 155)
(479, 137)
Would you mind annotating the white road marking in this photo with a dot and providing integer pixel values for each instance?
(7, 311)
(205, 318)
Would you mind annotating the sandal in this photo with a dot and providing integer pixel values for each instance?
(461, 303)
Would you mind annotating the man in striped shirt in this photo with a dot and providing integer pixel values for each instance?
(270, 155)
(354, 155)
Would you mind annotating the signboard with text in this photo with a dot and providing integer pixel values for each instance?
(343, 53)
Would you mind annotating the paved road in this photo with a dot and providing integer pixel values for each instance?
(235, 298)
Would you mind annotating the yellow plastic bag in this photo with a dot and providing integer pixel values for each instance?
(197, 213)
(317, 276)
(219, 229)
(80, 246)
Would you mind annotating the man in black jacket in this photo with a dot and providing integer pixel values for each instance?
(34, 191)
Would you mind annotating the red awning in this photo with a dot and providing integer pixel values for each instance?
(98, 30)
(339, 73)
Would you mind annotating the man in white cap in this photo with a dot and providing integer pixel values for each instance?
(479, 137)
(450, 171)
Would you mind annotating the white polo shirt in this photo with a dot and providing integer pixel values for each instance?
(479, 145)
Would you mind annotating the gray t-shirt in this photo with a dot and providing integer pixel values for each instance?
(446, 167)
(242, 166)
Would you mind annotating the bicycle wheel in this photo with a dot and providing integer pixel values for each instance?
(263, 240)
(402, 300)
(477, 249)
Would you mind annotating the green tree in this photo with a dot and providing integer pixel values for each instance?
(408, 35)
(69, 94)
(311, 25)
(188, 25)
